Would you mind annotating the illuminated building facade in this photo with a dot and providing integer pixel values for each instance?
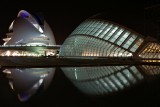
(28, 30)
(99, 38)
(101, 56)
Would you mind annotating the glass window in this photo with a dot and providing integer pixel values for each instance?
(121, 52)
(116, 53)
(136, 72)
(110, 69)
(118, 67)
(123, 79)
(86, 87)
(95, 27)
(116, 81)
(98, 32)
(87, 28)
(116, 35)
(129, 75)
(106, 30)
(90, 27)
(106, 85)
(109, 50)
(92, 87)
(129, 41)
(100, 87)
(109, 33)
(111, 84)
(101, 29)
(121, 40)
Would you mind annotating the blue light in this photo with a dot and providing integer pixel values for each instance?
(24, 14)
(24, 96)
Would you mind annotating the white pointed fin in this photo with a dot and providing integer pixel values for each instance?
(48, 79)
(23, 79)
(11, 26)
(48, 32)
(23, 29)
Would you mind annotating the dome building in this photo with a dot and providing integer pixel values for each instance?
(98, 37)
(100, 57)
(27, 30)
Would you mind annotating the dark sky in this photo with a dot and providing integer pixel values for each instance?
(64, 17)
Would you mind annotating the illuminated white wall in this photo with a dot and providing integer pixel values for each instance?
(27, 81)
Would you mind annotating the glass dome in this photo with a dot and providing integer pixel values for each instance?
(99, 37)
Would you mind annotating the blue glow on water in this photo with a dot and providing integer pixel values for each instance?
(24, 96)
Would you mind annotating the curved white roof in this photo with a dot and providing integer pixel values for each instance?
(25, 26)
(26, 82)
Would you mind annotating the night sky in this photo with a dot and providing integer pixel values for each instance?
(63, 17)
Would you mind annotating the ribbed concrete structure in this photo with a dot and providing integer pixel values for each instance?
(99, 37)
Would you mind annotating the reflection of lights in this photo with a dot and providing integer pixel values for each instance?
(11, 85)
(38, 84)
(6, 71)
(19, 70)
(75, 73)
(42, 35)
(40, 81)
(40, 30)
(23, 96)
(44, 75)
